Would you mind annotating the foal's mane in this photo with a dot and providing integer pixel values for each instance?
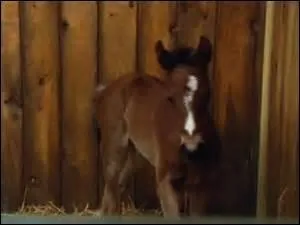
(198, 57)
(183, 56)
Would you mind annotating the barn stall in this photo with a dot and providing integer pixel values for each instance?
(53, 54)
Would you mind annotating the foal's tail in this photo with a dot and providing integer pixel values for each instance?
(97, 94)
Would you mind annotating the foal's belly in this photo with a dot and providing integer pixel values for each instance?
(140, 126)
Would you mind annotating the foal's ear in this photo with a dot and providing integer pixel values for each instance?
(164, 57)
(204, 49)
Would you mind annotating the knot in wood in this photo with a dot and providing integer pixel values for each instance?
(65, 24)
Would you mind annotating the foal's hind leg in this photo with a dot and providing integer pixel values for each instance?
(115, 154)
(128, 169)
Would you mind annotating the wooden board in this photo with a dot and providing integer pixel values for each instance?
(288, 198)
(279, 194)
(196, 19)
(11, 107)
(264, 114)
(79, 73)
(117, 39)
(236, 102)
(156, 21)
(117, 50)
(39, 34)
(275, 112)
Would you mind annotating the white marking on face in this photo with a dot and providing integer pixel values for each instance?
(192, 84)
(189, 123)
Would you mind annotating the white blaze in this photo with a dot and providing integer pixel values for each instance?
(190, 124)
(192, 83)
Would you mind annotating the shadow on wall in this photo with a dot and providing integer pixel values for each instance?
(237, 194)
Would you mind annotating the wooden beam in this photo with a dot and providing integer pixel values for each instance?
(11, 105)
(117, 39)
(156, 21)
(264, 119)
(40, 42)
(236, 100)
(79, 73)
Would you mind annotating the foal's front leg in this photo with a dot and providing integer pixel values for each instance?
(170, 195)
(168, 199)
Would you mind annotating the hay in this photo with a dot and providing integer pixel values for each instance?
(50, 209)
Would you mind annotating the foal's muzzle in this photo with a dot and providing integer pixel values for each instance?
(191, 142)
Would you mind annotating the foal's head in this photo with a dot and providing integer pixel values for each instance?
(188, 73)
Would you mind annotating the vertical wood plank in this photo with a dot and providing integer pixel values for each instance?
(117, 49)
(274, 135)
(196, 18)
(117, 39)
(156, 21)
(41, 126)
(280, 103)
(235, 106)
(258, 33)
(288, 197)
(280, 188)
(11, 105)
(264, 115)
(79, 71)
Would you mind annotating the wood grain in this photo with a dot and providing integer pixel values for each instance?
(41, 109)
(288, 205)
(117, 39)
(156, 21)
(235, 105)
(11, 105)
(264, 114)
(280, 190)
(196, 19)
(79, 72)
(274, 139)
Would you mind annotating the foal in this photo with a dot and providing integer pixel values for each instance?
(166, 122)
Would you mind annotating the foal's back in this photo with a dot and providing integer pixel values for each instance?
(132, 102)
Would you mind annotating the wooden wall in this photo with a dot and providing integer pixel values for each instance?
(11, 108)
(278, 193)
(236, 96)
(55, 53)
